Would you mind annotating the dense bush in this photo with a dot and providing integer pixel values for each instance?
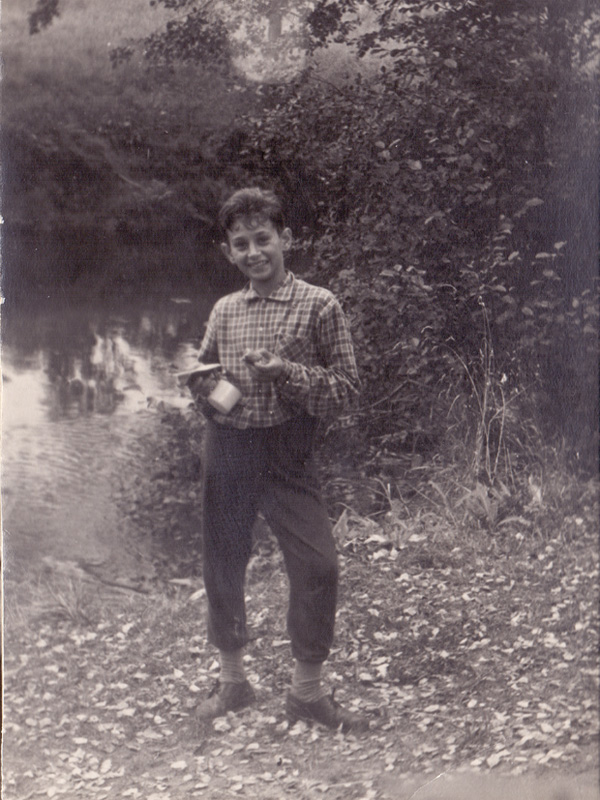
(456, 217)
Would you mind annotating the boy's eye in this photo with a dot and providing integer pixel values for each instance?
(242, 244)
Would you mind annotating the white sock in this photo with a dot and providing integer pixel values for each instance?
(306, 682)
(232, 666)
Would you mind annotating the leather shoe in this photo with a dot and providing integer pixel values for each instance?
(225, 697)
(326, 711)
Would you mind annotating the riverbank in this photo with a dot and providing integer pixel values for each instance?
(474, 655)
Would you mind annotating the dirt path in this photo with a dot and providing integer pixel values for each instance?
(477, 668)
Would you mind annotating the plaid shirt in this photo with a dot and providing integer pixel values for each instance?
(305, 326)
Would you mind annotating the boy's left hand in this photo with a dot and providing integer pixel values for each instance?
(263, 365)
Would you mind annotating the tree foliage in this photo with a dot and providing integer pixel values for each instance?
(42, 15)
(213, 33)
(445, 188)
(445, 185)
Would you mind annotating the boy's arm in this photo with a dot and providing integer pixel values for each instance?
(209, 350)
(330, 389)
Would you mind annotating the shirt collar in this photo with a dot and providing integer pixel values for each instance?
(282, 294)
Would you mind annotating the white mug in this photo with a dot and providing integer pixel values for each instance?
(224, 396)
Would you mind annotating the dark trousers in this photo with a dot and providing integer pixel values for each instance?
(270, 470)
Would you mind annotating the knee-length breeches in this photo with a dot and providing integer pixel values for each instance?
(270, 470)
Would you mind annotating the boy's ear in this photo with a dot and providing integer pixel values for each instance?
(286, 238)
(226, 251)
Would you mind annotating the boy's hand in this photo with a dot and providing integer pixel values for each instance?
(201, 386)
(263, 365)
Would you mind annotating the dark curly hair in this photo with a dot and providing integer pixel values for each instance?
(251, 202)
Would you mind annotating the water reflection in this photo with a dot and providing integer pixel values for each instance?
(95, 356)
(96, 378)
(79, 380)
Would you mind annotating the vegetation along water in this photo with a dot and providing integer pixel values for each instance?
(438, 163)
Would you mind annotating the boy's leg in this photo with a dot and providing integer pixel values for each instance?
(230, 486)
(294, 509)
(303, 531)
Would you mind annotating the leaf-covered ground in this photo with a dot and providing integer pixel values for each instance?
(479, 656)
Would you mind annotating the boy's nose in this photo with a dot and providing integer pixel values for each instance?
(252, 249)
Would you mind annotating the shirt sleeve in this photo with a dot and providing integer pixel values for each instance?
(209, 349)
(332, 388)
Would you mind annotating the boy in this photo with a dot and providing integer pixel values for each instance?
(286, 346)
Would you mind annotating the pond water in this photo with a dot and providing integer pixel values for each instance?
(81, 381)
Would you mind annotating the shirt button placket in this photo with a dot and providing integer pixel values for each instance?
(261, 328)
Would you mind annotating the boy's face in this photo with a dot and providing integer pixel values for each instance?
(256, 248)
